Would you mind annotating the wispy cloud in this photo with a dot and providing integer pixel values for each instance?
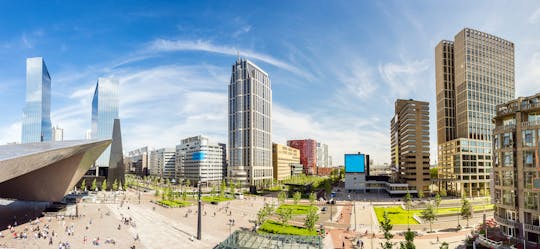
(535, 17)
(243, 30)
(402, 78)
(358, 80)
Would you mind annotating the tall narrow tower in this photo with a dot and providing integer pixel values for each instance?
(36, 123)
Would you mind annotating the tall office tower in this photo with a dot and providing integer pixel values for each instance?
(410, 143)
(474, 74)
(250, 124)
(516, 167)
(162, 162)
(308, 154)
(104, 112)
(36, 123)
(199, 159)
(322, 155)
(57, 134)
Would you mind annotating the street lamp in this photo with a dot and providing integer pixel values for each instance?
(231, 223)
(199, 217)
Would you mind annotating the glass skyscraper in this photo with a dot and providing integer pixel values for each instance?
(104, 111)
(36, 123)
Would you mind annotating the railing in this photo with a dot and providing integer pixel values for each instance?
(508, 127)
(527, 124)
(505, 221)
(488, 242)
(532, 227)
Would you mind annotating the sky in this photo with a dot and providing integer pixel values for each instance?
(336, 67)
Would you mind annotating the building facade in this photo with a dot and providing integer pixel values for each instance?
(409, 141)
(250, 124)
(199, 159)
(162, 162)
(474, 74)
(516, 168)
(284, 158)
(36, 122)
(138, 161)
(104, 112)
(308, 154)
(322, 155)
(57, 133)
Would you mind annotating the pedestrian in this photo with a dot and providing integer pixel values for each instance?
(343, 243)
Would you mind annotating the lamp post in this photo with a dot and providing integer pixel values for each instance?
(199, 217)
(231, 223)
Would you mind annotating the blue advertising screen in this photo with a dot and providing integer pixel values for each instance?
(355, 163)
(201, 155)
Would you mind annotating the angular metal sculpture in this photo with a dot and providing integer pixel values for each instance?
(46, 171)
(116, 162)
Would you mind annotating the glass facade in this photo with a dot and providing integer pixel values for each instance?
(104, 111)
(36, 122)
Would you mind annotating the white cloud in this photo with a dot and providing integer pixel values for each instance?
(10, 133)
(535, 17)
(243, 30)
(403, 78)
(528, 76)
(358, 80)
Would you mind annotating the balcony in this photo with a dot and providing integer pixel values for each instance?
(505, 128)
(528, 124)
(505, 221)
(532, 228)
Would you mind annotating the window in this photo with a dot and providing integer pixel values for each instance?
(508, 140)
(508, 159)
(528, 138)
(528, 158)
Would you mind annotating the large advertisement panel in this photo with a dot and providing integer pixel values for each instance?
(355, 163)
(198, 156)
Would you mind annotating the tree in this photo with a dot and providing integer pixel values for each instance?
(184, 195)
(444, 245)
(170, 194)
(126, 185)
(327, 188)
(386, 227)
(428, 215)
(264, 212)
(188, 183)
(156, 193)
(281, 197)
(311, 218)
(104, 185)
(222, 189)
(434, 173)
(443, 192)
(408, 203)
(163, 194)
(466, 209)
(296, 197)
(232, 188)
(94, 185)
(438, 200)
(409, 240)
(115, 185)
(83, 185)
(213, 191)
(312, 198)
(285, 214)
(421, 194)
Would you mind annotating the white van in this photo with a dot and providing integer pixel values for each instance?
(239, 196)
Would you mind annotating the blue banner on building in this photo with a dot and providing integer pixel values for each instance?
(201, 155)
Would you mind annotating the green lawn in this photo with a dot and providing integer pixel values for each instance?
(398, 215)
(175, 203)
(215, 198)
(275, 227)
(298, 209)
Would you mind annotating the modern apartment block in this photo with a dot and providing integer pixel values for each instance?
(410, 143)
(308, 154)
(322, 155)
(138, 161)
(200, 160)
(250, 124)
(36, 122)
(474, 74)
(284, 158)
(57, 133)
(516, 168)
(162, 162)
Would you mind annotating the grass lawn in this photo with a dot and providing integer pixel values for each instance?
(215, 198)
(298, 209)
(398, 215)
(175, 203)
(275, 227)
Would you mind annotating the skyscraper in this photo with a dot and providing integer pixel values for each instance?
(474, 74)
(57, 133)
(36, 123)
(308, 154)
(410, 143)
(322, 155)
(250, 124)
(104, 112)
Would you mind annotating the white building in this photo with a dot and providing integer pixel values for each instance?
(57, 133)
(199, 159)
(138, 161)
(162, 163)
(322, 155)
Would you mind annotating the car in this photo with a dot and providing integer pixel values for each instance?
(324, 209)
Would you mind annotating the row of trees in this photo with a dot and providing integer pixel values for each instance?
(285, 214)
(115, 186)
(282, 196)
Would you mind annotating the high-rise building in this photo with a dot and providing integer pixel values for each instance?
(284, 158)
(36, 122)
(250, 124)
(57, 133)
(199, 159)
(410, 143)
(308, 154)
(322, 155)
(516, 168)
(474, 74)
(138, 161)
(162, 162)
(104, 112)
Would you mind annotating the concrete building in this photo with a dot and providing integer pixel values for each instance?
(516, 162)
(322, 155)
(138, 161)
(410, 143)
(199, 159)
(36, 122)
(283, 158)
(162, 162)
(474, 74)
(250, 124)
(308, 154)
(57, 133)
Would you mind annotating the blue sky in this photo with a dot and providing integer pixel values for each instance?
(336, 66)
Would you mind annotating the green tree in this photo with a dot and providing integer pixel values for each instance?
(222, 189)
(285, 214)
(83, 185)
(213, 191)
(438, 200)
(184, 195)
(232, 188)
(94, 185)
(156, 193)
(327, 188)
(104, 185)
(466, 210)
(312, 198)
(126, 185)
(170, 194)
(281, 197)
(296, 197)
(264, 212)
(421, 194)
(408, 204)
(311, 219)
(115, 185)
(386, 227)
(434, 173)
(163, 194)
(444, 245)
(409, 240)
(428, 215)
(443, 192)
(188, 183)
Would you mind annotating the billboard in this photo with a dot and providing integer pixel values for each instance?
(355, 163)
(197, 156)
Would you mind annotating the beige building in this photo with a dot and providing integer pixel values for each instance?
(516, 168)
(410, 143)
(282, 158)
(474, 74)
